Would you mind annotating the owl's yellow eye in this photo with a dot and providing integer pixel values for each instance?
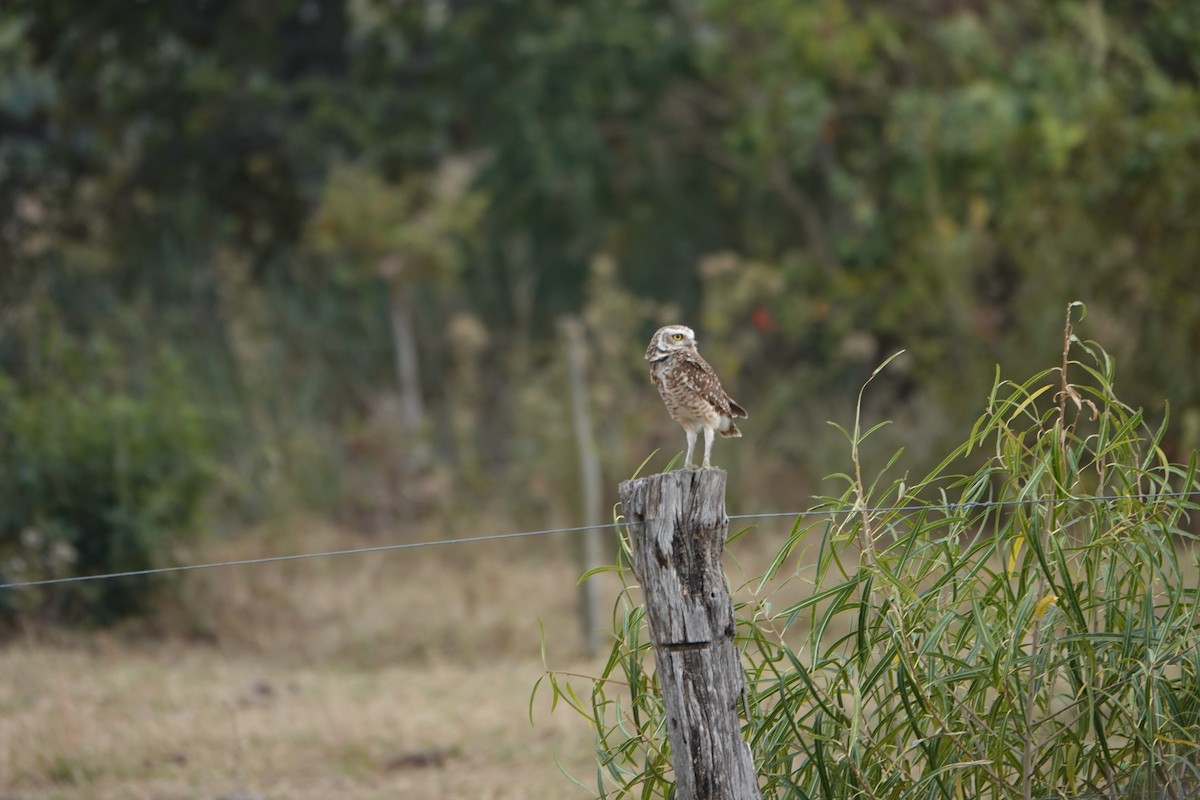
(677, 337)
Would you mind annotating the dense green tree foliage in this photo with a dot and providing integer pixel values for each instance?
(815, 185)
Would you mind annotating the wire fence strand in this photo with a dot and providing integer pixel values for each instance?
(812, 512)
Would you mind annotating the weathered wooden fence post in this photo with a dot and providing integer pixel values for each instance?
(678, 525)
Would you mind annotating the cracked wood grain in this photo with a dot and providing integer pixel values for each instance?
(678, 526)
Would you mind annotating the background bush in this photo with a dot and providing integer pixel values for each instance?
(96, 479)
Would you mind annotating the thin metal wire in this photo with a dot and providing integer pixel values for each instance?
(299, 556)
(601, 526)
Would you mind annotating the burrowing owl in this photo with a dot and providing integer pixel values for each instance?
(690, 388)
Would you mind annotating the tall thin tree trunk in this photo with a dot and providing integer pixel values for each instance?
(591, 549)
(408, 369)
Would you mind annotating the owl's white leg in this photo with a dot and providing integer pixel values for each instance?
(691, 440)
(708, 440)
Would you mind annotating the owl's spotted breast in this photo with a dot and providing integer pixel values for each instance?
(691, 390)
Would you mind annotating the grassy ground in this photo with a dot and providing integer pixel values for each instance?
(392, 675)
(387, 675)
(190, 722)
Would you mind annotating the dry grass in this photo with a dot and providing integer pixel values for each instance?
(390, 675)
(189, 722)
(463, 603)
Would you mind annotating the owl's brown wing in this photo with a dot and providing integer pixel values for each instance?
(702, 379)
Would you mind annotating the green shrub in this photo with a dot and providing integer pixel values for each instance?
(95, 479)
(1002, 635)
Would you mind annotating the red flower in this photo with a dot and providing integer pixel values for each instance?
(762, 319)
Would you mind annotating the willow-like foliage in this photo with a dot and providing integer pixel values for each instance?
(1027, 630)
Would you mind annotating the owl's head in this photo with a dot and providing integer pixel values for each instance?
(669, 339)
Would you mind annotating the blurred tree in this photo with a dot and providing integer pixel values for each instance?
(181, 113)
(945, 177)
(404, 236)
(821, 183)
(576, 107)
